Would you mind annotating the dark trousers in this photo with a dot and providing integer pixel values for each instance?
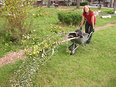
(88, 29)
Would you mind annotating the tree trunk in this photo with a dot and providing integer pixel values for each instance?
(99, 2)
(48, 4)
(89, 1)
(114, 5)
(104, 3)
(68, 2)
(78, 3)
(64, 2)
(42, 2)
(110, 3)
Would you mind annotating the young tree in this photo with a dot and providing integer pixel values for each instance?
(17, 11)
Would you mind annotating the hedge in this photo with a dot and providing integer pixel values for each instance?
(70, 17)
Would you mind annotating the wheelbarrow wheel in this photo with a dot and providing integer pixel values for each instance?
(72, 49)
(72, 52)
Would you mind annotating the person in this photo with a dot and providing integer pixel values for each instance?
(88, 14)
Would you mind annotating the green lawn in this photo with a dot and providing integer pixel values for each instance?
(92, 66)
(7, 71)
(41, 25)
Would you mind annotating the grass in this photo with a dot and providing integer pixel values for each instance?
(80, 70)
(41, 25)
(7, 71)
(6, 46)
(9, 47)
(92, 66)
(103, 22)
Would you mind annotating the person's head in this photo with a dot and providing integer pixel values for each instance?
(86, 9)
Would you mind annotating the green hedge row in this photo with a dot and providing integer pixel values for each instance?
(84, 3)
(70, 17)
(81, 3)
(109, 12)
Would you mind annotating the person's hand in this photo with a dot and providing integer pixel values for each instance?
(80, 28)
(93, 30)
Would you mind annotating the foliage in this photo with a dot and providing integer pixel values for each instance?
(15, 12)
(39, 12)
(81, 3)
(70, 17)
(84, 3)
(93, 64)
(107, 11)
(39, 54)
(110, 12)
(74, 4)
(48, 29)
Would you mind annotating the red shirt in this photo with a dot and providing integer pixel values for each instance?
(89, 16)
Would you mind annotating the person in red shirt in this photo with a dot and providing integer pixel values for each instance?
(88, 14)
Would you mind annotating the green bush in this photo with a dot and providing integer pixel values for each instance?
(84, 3)
(16, 14)
(81, 3)
(74, 4)
(70, 17)
(108, 11)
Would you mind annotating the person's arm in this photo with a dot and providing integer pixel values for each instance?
(92, 19)
(82, 21)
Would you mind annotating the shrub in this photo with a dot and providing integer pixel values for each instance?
(110, 12)
(16, 15)
(81, 3)
(74, 4)
(70, 17)
(84, 3)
